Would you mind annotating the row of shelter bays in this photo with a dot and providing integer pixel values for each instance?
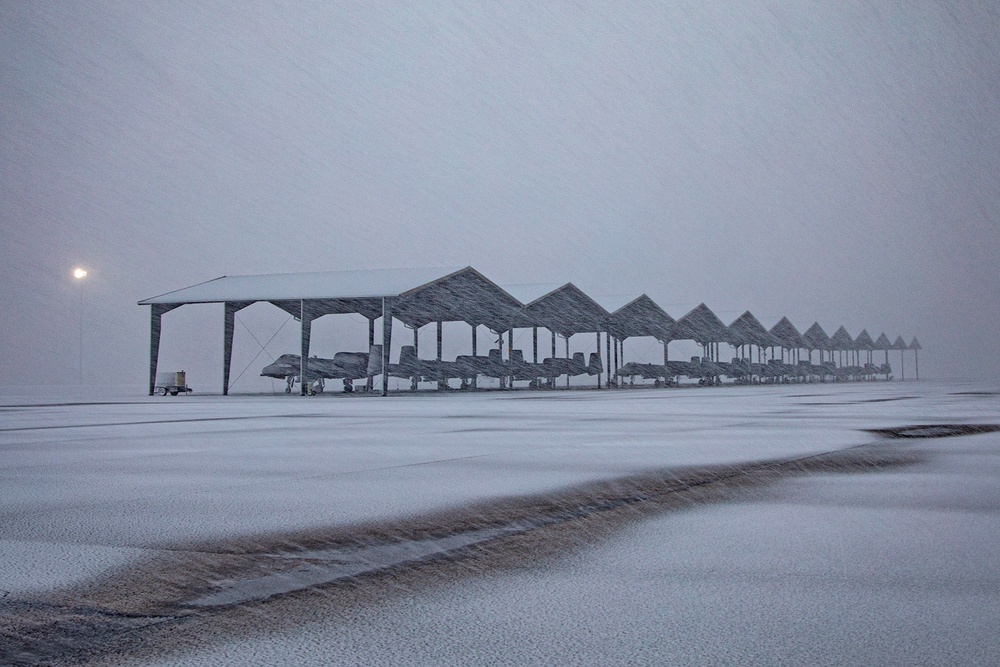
(420, 297)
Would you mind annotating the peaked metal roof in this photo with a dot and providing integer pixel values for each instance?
(529, 293)
(702, 326)
(815, 338)
(786, 335)
(314, 285)
(883, 342)
(565, 309)
(915, 344)
(636, 316)
(899, 344)
(864, 341)
(747, 330)
(841, 340)
(420, 295)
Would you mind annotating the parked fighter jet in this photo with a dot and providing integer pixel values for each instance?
(554, 367)
(348, 366)
(658, 373)
(418, 370)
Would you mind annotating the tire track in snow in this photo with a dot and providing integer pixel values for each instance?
(204, 584)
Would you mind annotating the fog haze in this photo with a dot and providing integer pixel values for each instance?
(826, 162)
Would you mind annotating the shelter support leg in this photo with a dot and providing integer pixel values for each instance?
(371, 342)
(598, 354)
(567, 356)
(386, 340)
(156, 314)
(415, 381)
(229, 325)
(616, 356)
(607, 356)
(305, 320)
(553, 380)
(158, 310)
(474, 330)
(154, 347)
(442, 383)
(510, 357)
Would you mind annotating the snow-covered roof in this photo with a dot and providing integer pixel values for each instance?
(565, 309)
(528, 293)
(633, 315)
(419, 296)
(316, 285)
(747, 330)
(815, 338)
(702, 326)
(615, 302)
(864, 341)
(786, 335)
(841, 340)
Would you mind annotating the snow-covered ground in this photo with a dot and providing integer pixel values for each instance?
(890, 567)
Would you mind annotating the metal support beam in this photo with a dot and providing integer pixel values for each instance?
(475, 327)
(534, 345)
(305, 323)
(598, 354)
(567, 356)
(510, 358)
(386, 340)
(369, 381)
(616, 356)
(607, 354)
(442, 384)
(229, 326)
(157, 310)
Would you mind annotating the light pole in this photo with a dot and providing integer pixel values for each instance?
(80, 273)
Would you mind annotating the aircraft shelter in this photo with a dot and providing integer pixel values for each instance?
(417, 297)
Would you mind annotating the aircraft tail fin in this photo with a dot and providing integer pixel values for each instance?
(408, 358)
(375, 360)
(595, 367)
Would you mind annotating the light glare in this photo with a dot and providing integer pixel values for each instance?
(79, 273)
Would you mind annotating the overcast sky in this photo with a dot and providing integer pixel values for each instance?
(826, 161)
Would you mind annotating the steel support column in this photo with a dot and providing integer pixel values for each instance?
(474, 328)
(616, 357)
(305, 322)
(386, 340)
(510, 358)
(567, 356)
(229, 326)
(442, 384)
(598, 354)
(607, 352)
(369, 381)
(157, 310)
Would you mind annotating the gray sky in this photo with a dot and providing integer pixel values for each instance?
(826, 161)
